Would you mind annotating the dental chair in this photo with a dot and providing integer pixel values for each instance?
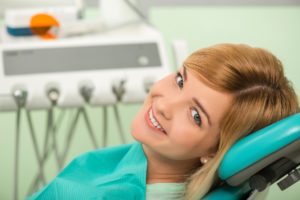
(255, 162)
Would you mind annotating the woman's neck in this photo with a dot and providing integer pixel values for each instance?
(164, 170)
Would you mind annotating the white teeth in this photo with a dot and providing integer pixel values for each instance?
(153, 121)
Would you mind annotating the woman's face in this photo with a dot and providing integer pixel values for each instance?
(180, 118)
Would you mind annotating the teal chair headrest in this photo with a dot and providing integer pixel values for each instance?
(275, 145)
(254, 152)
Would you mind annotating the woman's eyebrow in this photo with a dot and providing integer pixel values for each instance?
(184, 73)
(202, 109)
(195, 100)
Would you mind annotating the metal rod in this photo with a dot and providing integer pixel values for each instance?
(47, 134)
(54, 140)
(34, 185)
(105, 126)
(17, 148)
(118, 120)
(53, 95)
(35, 147)
(69, 137)
(49, 148)
(20, 97)
(89, 127)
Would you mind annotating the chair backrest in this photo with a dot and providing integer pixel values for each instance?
(260, 159)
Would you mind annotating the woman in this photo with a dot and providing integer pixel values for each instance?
(192, 117)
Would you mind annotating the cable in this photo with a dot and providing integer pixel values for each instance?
(138, 12)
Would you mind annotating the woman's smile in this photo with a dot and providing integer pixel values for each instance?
(153, 123)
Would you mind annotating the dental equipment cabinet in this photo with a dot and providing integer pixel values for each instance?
(97, 70)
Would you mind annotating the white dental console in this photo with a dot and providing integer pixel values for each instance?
(132, 57)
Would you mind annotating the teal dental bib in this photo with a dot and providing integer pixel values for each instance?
(112, 173)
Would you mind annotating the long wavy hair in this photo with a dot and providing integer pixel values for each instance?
(262, 95)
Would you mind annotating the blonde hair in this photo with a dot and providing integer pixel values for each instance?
(262, 95)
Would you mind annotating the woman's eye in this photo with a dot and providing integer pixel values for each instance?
(196, 117)
(179, 80)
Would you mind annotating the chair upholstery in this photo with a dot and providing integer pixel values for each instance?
(273, 150)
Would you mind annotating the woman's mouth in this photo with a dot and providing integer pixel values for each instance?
(152, 122)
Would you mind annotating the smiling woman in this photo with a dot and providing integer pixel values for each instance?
(221, 93)
(190, 119)
(187, 123)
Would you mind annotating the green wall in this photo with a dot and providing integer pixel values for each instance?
(274, 28)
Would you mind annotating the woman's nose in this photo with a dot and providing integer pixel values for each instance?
(162, 110)
(166, 107)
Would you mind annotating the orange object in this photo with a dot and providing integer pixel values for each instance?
(41, 24)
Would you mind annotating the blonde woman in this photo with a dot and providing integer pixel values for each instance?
(187, 123)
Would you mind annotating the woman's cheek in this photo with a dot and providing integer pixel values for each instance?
(136, 125)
